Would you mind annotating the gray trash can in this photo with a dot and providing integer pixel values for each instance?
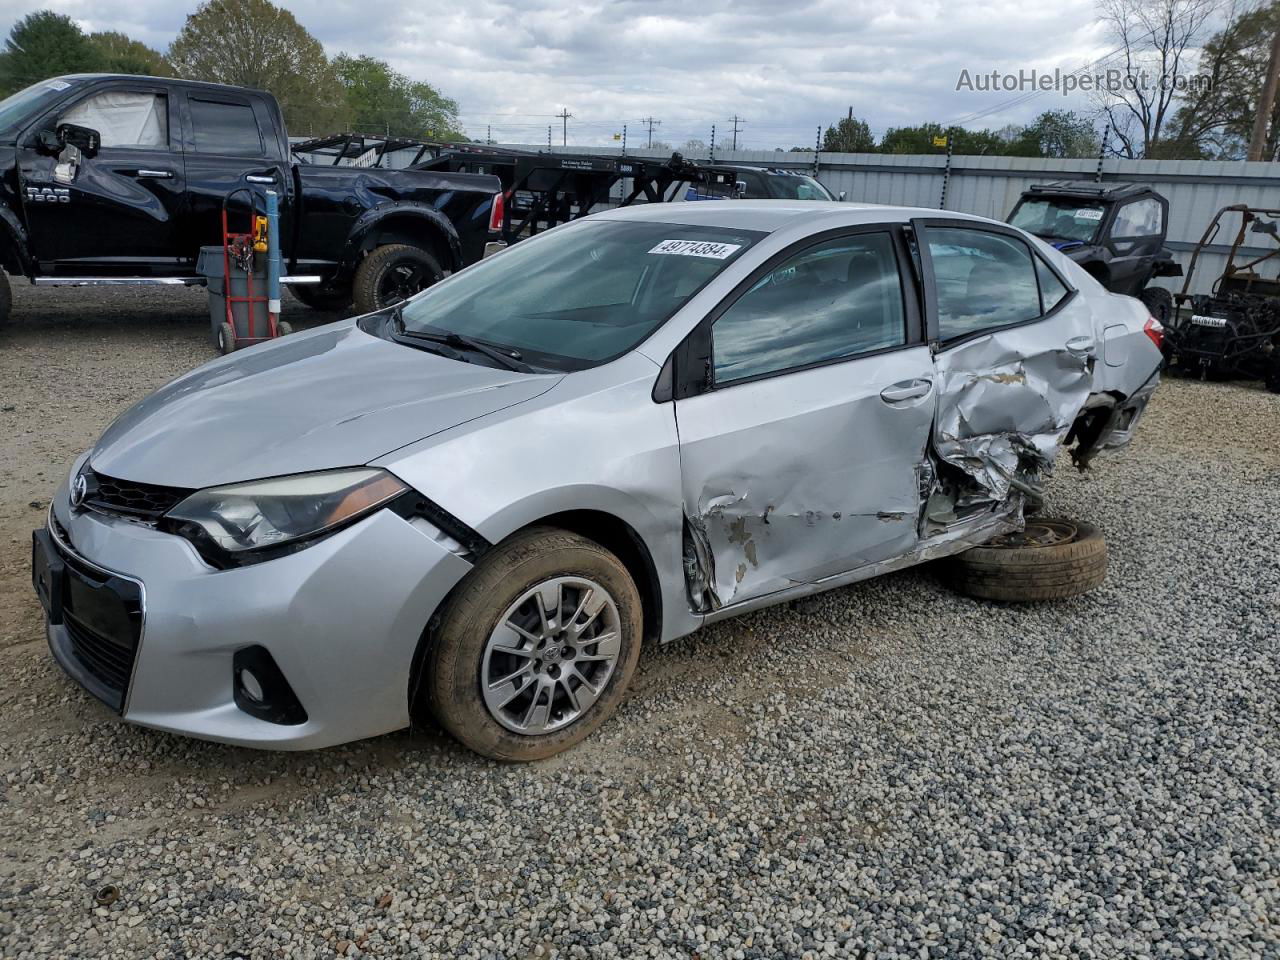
(210, 265)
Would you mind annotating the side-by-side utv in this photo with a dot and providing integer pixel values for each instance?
(1116, 231)
(1233, 331)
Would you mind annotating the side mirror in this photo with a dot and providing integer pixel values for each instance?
(842, 195)
(48, 143)
(84, 139)
(740, 188)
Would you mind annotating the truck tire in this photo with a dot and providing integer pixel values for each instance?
(1051, 559)
(1159, 302)
(6, 299)
(393, 273)
(319, 296)
(571, 659)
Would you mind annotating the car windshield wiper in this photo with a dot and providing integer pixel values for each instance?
(510, 359)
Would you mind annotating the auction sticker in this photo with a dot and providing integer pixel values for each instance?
(697, 248)
(1088, 213)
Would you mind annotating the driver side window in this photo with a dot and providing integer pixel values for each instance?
(123, 118)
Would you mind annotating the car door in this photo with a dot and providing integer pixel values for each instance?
(1015, 349)
(120, 210)
(233, 156)
(800, 445)
(1137, 231)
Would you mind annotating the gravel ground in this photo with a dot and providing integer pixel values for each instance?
(888, 770)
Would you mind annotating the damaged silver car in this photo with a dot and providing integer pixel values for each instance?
(476, 506)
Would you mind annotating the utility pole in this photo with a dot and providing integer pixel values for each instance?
(564, 116)
(651, 123)
(736, 121)
(548, 136)
(488, 133)
(713, 143)
(1262, 119)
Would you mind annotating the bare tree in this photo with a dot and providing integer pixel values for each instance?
(1155, 64)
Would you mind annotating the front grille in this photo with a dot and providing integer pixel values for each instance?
(147, 501)
(101, 656)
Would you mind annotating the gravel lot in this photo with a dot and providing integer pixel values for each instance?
(888, 771)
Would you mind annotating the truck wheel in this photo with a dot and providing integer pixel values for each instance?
(1051, 559)
(393, 273)
(1159, 302)
(6, 299)
(320, 296)
(535, 648)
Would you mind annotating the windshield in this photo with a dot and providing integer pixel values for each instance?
(579, 295)
(1060, 219)
(791, 186)
(16, 108)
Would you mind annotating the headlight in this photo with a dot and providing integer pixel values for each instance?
(247, 522)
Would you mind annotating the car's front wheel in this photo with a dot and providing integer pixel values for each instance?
(536, 648)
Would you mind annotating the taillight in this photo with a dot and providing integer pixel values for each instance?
(496, 212)
(1154, 329)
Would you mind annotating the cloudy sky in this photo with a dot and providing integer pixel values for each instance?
(785, 67)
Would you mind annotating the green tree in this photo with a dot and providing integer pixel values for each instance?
(380, 100)
(119, 53)
(1056, 133)
(850, 135)
(1215, 113)
(921, 140)
(41, 45)
(254, 43)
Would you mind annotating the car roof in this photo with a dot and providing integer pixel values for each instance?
(194, 84)
(769, 216)
(1098, 191)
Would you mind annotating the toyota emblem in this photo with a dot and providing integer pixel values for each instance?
(79, 490)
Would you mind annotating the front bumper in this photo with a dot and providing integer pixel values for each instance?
(341, 619)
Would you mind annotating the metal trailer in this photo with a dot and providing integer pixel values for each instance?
(542, 189)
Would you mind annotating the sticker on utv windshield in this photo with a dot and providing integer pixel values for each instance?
(697, 248)
(1087, 214)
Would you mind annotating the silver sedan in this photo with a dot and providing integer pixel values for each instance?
(476, 506)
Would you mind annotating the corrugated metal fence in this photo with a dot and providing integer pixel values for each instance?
(989, 186)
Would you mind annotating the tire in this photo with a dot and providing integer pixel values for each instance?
(459, 659)
(393, 273)
(283, 328)
(6, 299)
(1272, 379)
(226, 339)
(1051, 559)
(321, 296)
(1159, 302)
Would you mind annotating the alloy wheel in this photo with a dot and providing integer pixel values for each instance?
(551, 655)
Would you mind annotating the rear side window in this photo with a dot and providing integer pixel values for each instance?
(225, 128)
(837, 299)
(982, 280)
(1052, 290)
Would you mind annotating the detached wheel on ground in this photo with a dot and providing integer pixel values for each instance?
(535, 649)
(1159, 303)
(1051, 559)
(393, 273)
(321, 296)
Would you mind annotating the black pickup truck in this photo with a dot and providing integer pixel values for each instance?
(108, 179)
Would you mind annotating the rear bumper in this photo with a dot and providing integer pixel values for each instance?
(341, 619)
(1120, 425)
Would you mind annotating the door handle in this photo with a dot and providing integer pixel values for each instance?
(255, 178)
(906, 390)
(155, 174)
(1081, 346)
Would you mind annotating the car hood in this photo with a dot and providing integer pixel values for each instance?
(333, 397)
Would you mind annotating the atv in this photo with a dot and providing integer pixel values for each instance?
(1116, 231)
(1233, 331)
